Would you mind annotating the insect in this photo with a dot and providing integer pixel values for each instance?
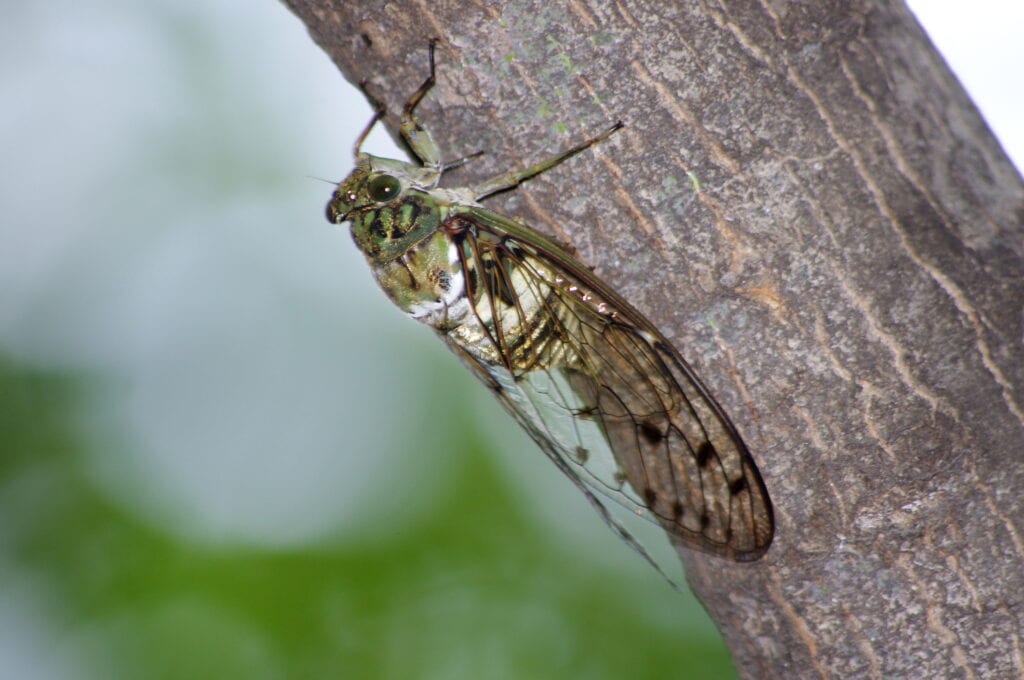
(593, 382)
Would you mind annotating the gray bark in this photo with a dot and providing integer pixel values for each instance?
(807, 203)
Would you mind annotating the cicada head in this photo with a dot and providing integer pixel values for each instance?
(388, 204)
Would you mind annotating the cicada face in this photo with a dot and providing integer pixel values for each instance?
(389, 205)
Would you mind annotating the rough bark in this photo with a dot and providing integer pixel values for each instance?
(809, 205)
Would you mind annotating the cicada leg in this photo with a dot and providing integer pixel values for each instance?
(514, 178)
(459, 162)
(419, 139)
(378, 112)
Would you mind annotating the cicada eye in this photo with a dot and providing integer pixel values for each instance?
(384, 188)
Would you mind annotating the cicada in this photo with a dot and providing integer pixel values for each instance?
(594, 383)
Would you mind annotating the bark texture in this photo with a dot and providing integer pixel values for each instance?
(808, 204)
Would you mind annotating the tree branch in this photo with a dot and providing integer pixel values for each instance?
(808, 204)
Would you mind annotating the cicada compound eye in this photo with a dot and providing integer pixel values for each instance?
(383, 188)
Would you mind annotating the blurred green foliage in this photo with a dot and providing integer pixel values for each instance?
(469, 591)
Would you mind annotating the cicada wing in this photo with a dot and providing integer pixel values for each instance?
(540, 414)
(683, 459)
(604, 394)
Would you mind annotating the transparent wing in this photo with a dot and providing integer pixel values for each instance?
(602, 392)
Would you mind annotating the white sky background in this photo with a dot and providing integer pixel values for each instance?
(983, 42)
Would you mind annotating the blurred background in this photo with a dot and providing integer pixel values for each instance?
(223, 454)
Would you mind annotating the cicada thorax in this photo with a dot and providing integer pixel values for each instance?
(423, 283)
(396, 228)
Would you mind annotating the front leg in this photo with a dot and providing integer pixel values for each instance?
(415, 135)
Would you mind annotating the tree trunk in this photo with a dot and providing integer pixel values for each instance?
(807, 203)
